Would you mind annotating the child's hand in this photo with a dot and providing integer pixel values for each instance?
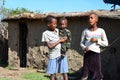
(63, 55)
(62, 39)
(86, 49)
(65, 38)
(94, 40)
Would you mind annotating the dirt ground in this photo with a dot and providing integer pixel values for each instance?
(14, 74)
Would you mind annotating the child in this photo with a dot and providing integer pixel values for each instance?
(91, 40)
(64, 32)
(51, 38)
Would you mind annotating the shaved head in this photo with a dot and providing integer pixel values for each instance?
(95, 15)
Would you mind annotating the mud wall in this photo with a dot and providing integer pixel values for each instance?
(37, 53)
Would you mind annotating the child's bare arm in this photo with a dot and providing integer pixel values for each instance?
(52, 45)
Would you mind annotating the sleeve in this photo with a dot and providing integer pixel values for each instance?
(82, 42)
(69, 39)
(45, 37)
(103, 41)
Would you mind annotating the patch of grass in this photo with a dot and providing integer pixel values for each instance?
(34, 76)
(4, 79)
(8, 67)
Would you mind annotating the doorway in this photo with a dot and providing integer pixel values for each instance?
(23, 31)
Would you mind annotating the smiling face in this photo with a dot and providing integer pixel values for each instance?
(52, 25)
(93, 19)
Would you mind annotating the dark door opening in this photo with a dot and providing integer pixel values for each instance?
(23, 44)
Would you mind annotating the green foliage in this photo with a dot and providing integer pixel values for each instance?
(10, 12)
(34, 76)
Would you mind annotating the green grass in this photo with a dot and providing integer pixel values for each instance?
(8, 67)
(34, 76)
(4, 79)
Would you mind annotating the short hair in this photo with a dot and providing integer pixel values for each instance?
(62, 18)
(49, 19)
(96, 15)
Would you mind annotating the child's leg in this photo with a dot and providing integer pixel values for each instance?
(52, 77)
(96, 66)
(86, 64)
(65, 76)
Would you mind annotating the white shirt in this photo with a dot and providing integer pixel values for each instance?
(50, 36)
(99, 34)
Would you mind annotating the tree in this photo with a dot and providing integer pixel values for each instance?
(114, 2)
(10, 12)
(2, 2)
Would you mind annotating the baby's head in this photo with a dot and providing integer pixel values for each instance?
(63, 22)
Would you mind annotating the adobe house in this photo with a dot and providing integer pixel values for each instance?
(26, 50)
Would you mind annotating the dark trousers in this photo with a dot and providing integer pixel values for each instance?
(92, 64)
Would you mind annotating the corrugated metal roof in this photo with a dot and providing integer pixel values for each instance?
(101, 13)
